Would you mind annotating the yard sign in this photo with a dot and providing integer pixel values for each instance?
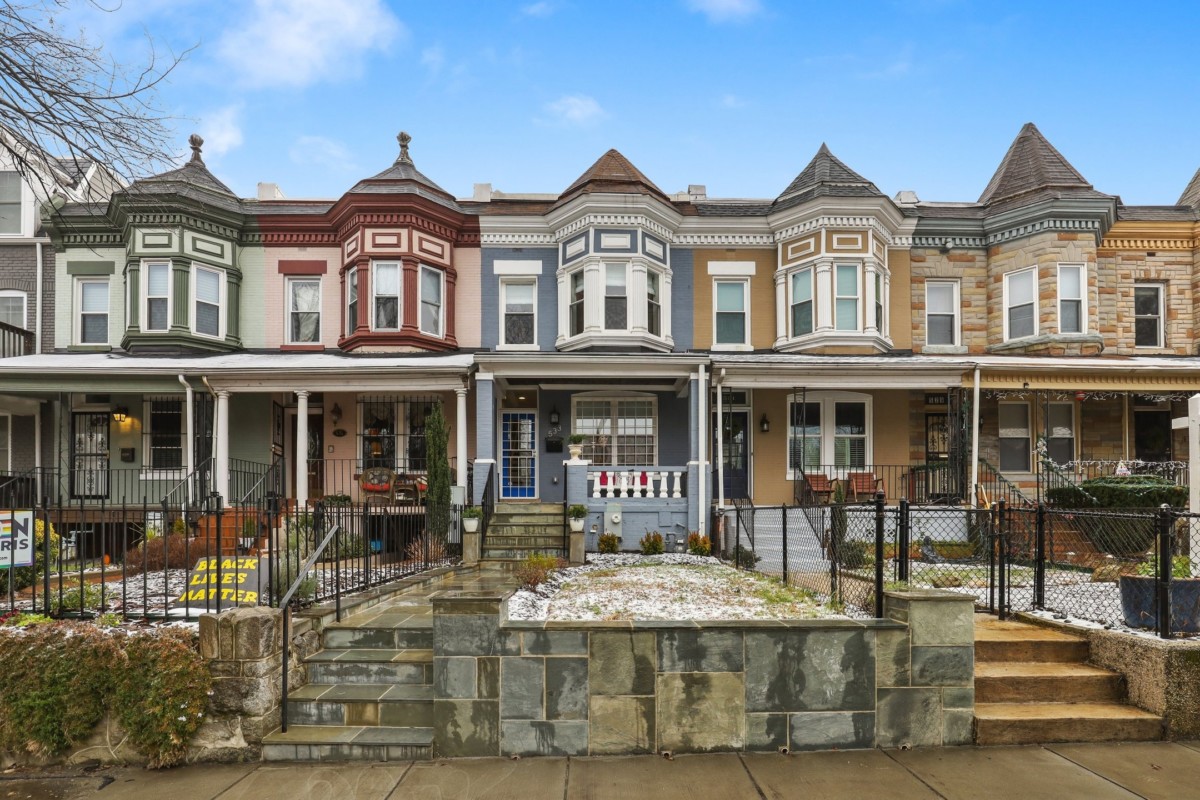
(222, 582)
(16, 538)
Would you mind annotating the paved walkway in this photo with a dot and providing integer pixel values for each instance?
(1170, 771)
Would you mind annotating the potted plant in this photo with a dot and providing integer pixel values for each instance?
(575, 446)
(576, 514)
(471, 516)
(1138, 592)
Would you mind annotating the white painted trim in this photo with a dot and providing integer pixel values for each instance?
(517, 267)
(222, 300)
(828, 401)
(745, 344)
(956, 310)
(791, 301)
(24, 305)
(1083, 293)
(289, 282)
(1005, 305)
(147, 471)
(732, 268)
(503, 306)
(614, 398)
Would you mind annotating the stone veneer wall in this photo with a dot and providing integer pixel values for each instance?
(578, 688)
(1162, 677)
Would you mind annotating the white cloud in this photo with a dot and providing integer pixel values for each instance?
(222, 130)
(433, 59)
(725, 10)
(299, 42)
(540, 9)
(318, 151)
(732, 101)
(575, 111)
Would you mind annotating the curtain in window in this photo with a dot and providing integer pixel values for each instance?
(306, 311)
(387, 296)
(518, 313)
(208, 302)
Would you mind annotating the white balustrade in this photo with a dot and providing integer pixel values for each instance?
(633, 483)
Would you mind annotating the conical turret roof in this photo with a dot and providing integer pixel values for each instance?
(612, 172)
(404, 177)
(825, 176)
(1031, 164)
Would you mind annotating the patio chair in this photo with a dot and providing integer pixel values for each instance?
(820, 486)
(863, 485)
(378, 483)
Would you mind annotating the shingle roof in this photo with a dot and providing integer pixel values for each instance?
(718, 208)
(403, 177)
(1157, 213)
(825, 176)
(1031, 164)
(612, 172)
(193, 173)
(1191, 195)
(73, 169)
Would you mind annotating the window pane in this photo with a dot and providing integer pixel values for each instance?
(939, 298)
(1020, 321)
(1020, 287)
(1061, 450)
(847, 280)
(1068, 283)
(1014, 455)
(431, 286)
(306, 296)
(518, 296)
(731, 328)
(208, 319)
(849, 418)
(802, 286)
(614, 313)
(10, 202)
(614, 280)
(731, 296)
(804, 435)
(306, 326)
(387, 279)
(387, 312)
(1145, 301)
(1070, 322)
(850, 451)
(93, 329)
(1146, 332)
(164, 429)
(1059, 417)
(1014, 419)
(431, 318)
(577, 285)
(12, 311)
(652, 285)
(156, 314)
(518, 329)
(208, 286)
(847, 314)
(802, 321)
(156, 280)
(94, 296)
(940, 329)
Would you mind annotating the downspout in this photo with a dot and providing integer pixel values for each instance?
(975, 438)
(37, 308)
(191, 441)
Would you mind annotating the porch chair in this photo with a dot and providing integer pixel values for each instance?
(863, 484)
(819, 486)
(378, 483)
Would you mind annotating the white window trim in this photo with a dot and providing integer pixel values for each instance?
(583, 301)
(661, 282)
(828, 401)
(504, 284)
(593, 332)
(399, 294)
(812, 295)
(858, 297)
(24, 304)
(956, 305)
(222, 303)
(77, 316)
(352, 278)
(1028, 436)
(145, 296)
(147, 472)
(615, 397)
(628, 298)
(292, 280)
(1036, 310)
(1162, 327)
(441, 332)
(1083, 303)
(745, 344)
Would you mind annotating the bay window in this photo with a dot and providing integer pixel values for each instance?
(653, 304)
(576, 300)
(432, 296)
(207, 290)
(385, 287)
(845, 302)
(156, 312)
(1072, 306)
(802, 302)
(1020, 304)
(351, 300)
(616, 299)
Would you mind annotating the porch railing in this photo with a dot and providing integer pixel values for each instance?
(487, 505)
(15, 341)
(632, 482)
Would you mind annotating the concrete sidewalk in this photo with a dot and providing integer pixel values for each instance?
(1093, 771)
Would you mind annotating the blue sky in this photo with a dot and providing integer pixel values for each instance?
(735, 94)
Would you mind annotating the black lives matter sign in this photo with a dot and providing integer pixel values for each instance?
(224, 581)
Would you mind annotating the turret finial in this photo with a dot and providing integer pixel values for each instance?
(403, 138)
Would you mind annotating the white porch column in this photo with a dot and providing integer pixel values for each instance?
(460, 433)
(221, 446)
(702, 449)
(1194, 478)
(781, 308)
(975, 440)
(720, 454)
(301, 445)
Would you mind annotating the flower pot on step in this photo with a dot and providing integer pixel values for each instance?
(576, 524)
(471, 524)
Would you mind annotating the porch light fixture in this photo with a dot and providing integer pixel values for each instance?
(554, 415)
(764, 424)
(120, 414)
(335, 413)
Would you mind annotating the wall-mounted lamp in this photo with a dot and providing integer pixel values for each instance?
(554, 415)
(120, 414)
(764, 424)
(335, 413)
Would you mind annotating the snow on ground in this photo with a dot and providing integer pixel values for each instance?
(664, 587)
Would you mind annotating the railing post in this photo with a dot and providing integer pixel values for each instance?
(879, 499)
(737, 548)
(1039, 559)
(1163, 595)
(902, 541)
(783, 510)
(283, 707)
(999, 543)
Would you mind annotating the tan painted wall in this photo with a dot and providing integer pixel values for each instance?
(762, 295)
(902, 310)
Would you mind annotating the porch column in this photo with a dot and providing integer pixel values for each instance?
(485, 436)
(1194, 478)
(460, 431)
(221, 445)
(781, 309)
(301, 445)
(719, 456)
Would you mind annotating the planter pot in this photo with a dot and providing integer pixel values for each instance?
(575, 451)
(471, 524)
(576, 524)
(1137, 603)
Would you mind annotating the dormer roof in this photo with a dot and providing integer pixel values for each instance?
(1191, 195)
(825, 176)
(613, 173)
(404, 177)
(1032, 165)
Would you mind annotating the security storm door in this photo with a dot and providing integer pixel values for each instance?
(89, 454)
(735, 427)
(518, 454)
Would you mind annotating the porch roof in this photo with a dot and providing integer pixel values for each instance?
(789, 371)
(1109, 373)
(238, 372)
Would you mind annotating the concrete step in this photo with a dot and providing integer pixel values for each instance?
(524, 532)
(545, 540)
(527, 519)
(1045, 682)
(515, 554)
(1037, 723)
(1018, 641)
(530, 507)
(401, 705)
(370, 665)
(344, 635)
(348, 743)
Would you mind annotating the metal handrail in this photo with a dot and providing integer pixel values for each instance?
(276, 463)
(285, 604)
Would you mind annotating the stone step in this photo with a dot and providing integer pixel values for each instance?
(399, 705)
(526, 519)
(344, 635)
(525, 541)
(519, 554)
(1046, 682)
(532, 507)
(524, 533)
(1017, 641)
(348, 743)
(370, 665)
(1037, 723)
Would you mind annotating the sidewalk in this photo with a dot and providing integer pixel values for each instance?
(1062, 772)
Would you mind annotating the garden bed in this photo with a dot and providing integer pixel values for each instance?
(663, 587)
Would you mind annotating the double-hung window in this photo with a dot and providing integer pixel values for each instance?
(1015, 431)
(1147, 315)
(163, 432)
(802, 302)
(10, 203)
(157, 311)
(730, 322)
(1060, 432)
(519, 313)
(828, 429)
(432, 293)
(653, 304)
(1072, 307)
(575, 311)
(941, 312)
(618, 432)
(1020, 304)
(208, 291)
(304, 310)
(351, 301)
(12, 308)
(845, 300)
(385, 286)
(616, 297)
(92, 301)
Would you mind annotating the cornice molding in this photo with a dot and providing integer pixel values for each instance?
(517, 238)
(717, 239)
(1091, 226)
(603, 220)
(836, 221)
(1147, 244)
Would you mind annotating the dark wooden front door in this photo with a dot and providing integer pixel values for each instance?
(316, 452)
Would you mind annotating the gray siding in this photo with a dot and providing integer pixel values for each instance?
(547, 293)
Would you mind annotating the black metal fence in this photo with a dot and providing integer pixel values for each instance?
(1133, 569)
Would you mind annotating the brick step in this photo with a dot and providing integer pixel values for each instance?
(372, 705)
(1017, 641)
(1045, 682)
(1037, 723)
(348, 743)
(344, 635)
(370, 665)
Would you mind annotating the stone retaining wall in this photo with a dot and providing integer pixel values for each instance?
(607, 688)
(1162, 677)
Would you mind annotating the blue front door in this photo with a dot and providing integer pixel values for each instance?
(518, 454)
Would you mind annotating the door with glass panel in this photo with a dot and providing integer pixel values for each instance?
(734, 427)
(518, 454)
(89, 454)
